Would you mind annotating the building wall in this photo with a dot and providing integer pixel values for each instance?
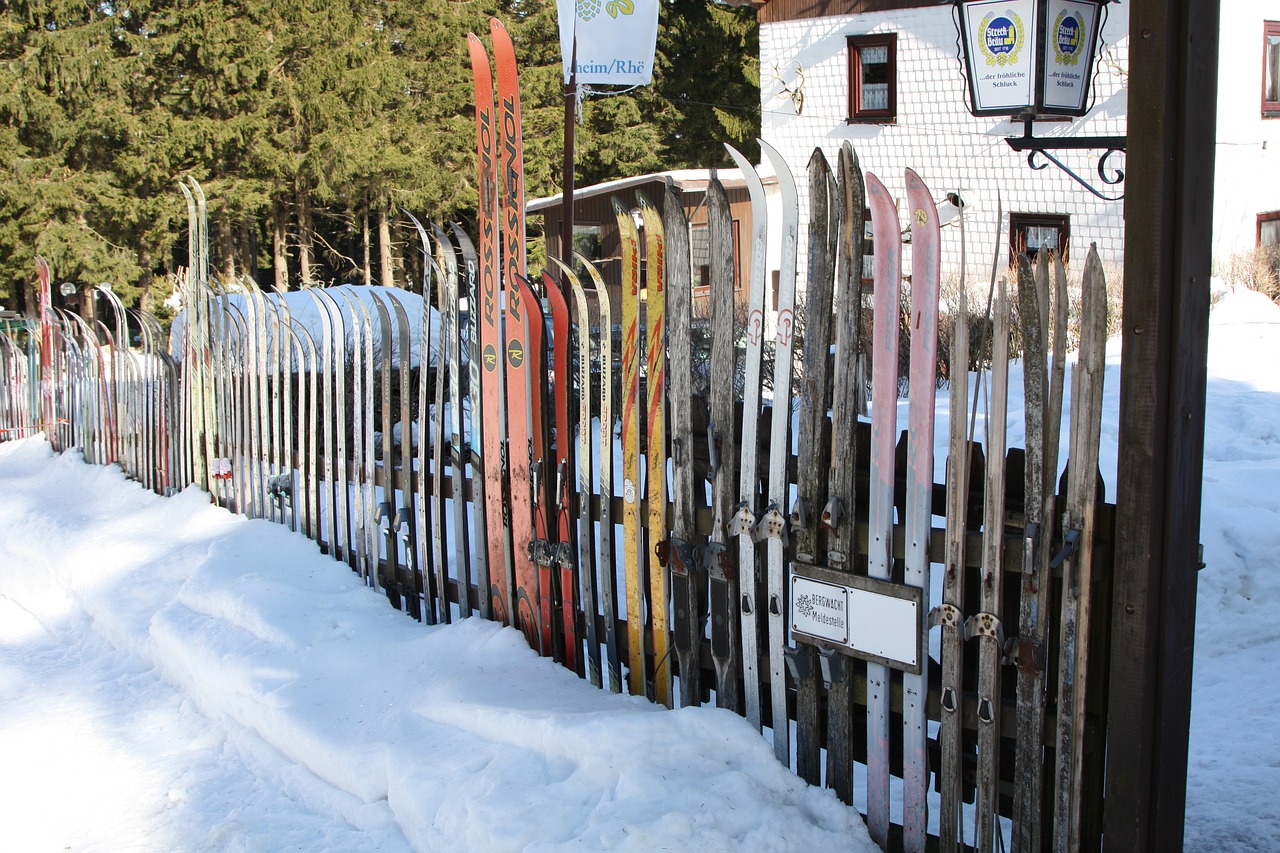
(934, 133)
(1247, 171)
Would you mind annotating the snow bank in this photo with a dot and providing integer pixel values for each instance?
(456, 737)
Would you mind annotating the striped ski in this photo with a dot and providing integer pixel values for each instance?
(491, 361)
(656, 444)
(584, 580)
(884, 413)
(476, 569)
(630, 403)
(608, 589)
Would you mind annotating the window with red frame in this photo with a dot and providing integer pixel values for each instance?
(873, 83)
(1271, 69)
(1269, 228)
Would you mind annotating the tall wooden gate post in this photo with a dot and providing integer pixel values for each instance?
(1173, 61)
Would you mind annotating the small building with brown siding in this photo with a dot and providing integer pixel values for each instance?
(596, 231)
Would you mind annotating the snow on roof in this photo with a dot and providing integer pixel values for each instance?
(688, 180)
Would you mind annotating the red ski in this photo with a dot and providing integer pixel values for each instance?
(501, 578)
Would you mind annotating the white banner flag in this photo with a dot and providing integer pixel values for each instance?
(616, 40)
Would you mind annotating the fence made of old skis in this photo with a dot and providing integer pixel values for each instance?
(792, 587)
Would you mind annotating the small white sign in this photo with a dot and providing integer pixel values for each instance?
(868, 618)
(884, 626)
(820, 609)
(1068, 39)
(608, 41)
(1002, 53)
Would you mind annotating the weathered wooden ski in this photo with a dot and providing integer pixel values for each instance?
(686, 574)
(1034, 594)
(839, 517)
(985, 625)
(1077, 558)
(719, 564)
(811, 450)
(949, 615)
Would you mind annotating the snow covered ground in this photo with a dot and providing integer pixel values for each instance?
(177, 678)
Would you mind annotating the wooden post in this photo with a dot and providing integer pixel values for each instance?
(1173, 58)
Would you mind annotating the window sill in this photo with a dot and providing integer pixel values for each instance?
(871, 120)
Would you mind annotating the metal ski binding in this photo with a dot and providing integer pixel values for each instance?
(772, 525)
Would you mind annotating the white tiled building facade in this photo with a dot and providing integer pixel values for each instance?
(805, 98)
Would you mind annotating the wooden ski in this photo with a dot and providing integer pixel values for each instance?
(925, 281)
(1077, 558)
(481, 566)
(742, 525)
(563, 555)
(811, 449)
(839, 516)
(630, 405)
(884, 415)
(772, 526)
(520, 425)
(719, 564)
(950, 613)
(686, 574)
(608, 581)
(985, 625)
(656, 441)
(491, 357)
(585, 574)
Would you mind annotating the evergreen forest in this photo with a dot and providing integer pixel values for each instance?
(310, 124)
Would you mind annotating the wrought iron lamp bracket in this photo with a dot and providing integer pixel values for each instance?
(1040, 147)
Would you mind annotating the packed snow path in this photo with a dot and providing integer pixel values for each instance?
(177, 678)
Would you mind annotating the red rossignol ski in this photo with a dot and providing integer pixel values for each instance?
(501, 569)
(519, 422)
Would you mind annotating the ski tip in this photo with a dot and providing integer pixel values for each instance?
(874, 185)
(497, 28)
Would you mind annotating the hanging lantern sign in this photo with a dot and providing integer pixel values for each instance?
(609, 43)
(1029, 56)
